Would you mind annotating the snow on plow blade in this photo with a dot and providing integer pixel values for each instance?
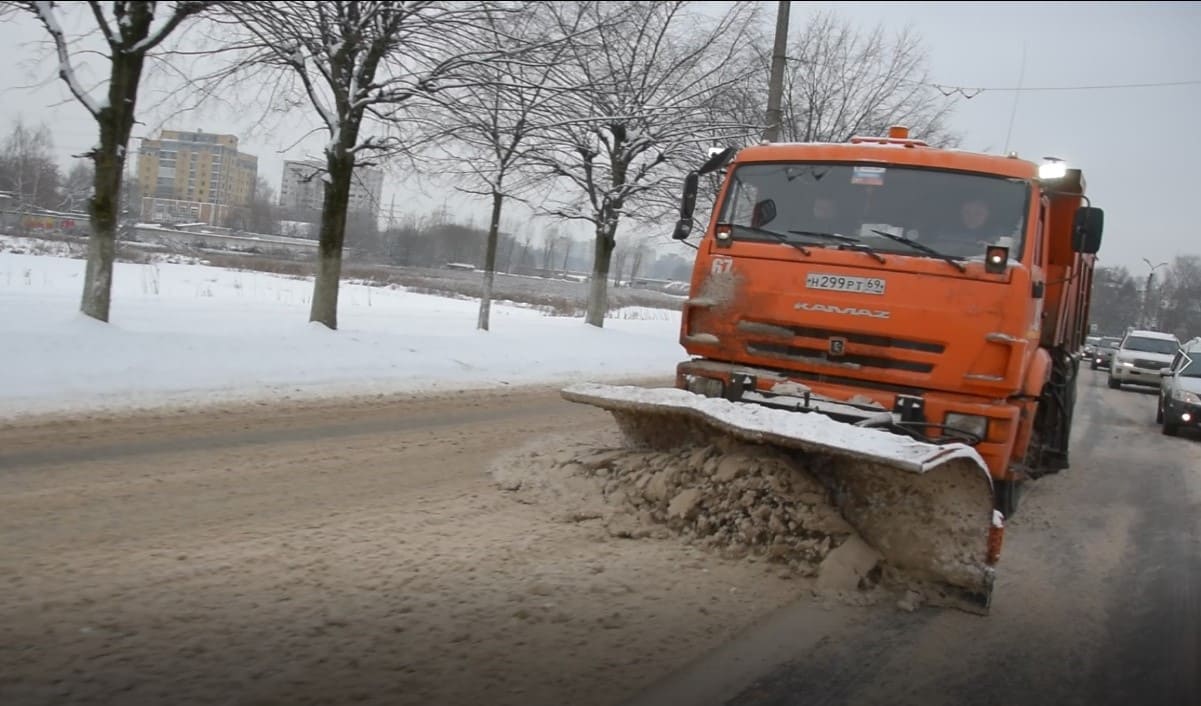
(926, 508)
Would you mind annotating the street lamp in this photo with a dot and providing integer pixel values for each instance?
(1150, 316)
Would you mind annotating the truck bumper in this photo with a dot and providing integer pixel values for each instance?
(924, 412)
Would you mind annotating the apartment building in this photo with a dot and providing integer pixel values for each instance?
(195, 177)
(301, 189)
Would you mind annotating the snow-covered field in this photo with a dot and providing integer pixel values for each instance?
(185, 334)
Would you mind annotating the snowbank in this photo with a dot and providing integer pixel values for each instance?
(183, 334)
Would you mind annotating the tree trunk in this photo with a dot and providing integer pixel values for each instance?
(490, 261)
(567, 254)
(115, 122)
(333, 236)
(637, 264)
(598, 303)
(102, 245)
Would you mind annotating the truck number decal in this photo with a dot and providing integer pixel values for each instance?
(840, 283)
(722, 265)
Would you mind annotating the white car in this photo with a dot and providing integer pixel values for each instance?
(1140, 357)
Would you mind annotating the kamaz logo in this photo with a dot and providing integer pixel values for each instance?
(848, 311)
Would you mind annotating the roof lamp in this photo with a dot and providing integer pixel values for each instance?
(1052, 169)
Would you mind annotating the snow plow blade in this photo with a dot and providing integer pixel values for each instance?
(926, 508)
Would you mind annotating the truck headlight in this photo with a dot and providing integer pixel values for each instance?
(1126, 364)
(970, 423)
(1186, 397)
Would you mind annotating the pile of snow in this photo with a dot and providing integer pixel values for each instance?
(855, 506)
(182, 334)
(734, 498)
(18, 245)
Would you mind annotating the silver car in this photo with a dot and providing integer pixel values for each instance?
(1141, 357)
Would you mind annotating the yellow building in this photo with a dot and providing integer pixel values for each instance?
(195, 177)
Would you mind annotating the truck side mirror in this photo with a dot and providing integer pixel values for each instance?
(1086, 230)
(687, 206)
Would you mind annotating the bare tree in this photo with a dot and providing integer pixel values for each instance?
(77, 189)
(566, 243)
(491, 131)
(263, 214)
(1115, 301)
(358, 64)
(1177, 300)
(27, 166)
(130, 30)
(647, 79)
(841, 82)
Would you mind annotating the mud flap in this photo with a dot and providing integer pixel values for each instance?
(928, 509)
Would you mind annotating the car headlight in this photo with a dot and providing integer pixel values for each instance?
(1126, 364)
(970, 423)
(1186, 397)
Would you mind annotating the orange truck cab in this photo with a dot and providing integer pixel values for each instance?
(936, 293)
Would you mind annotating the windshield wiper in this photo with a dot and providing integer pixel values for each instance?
(783, 238)
(831, 236)
(846, 241)
(923, 247)
(864, 248)
(851, 242)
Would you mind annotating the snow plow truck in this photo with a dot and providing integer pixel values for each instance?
(905, 318)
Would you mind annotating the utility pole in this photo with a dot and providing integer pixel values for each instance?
(775, 87)
(1150, 315)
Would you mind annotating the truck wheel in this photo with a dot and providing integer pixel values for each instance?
(1114, 384)
(1006, 497)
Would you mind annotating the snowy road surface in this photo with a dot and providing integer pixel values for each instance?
(1098, 598)
(328, 553)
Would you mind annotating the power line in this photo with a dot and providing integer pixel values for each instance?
(973, 91)
(949, 89)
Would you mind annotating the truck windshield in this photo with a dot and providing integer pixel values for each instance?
(954, 213)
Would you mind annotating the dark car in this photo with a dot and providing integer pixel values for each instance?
(1180, 393)
(1102, 354)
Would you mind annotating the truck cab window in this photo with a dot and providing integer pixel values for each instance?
(956, 213)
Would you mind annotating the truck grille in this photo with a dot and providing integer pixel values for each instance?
(812, 354)
(809, 344)
(1149, 364)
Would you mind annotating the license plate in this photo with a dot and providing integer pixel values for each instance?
(842, 283)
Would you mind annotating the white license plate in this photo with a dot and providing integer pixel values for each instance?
(842, 283)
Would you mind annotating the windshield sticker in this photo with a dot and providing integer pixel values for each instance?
(868, 176)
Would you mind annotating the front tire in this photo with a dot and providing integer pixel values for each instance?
(1006, 494)
(1170, 429)
(1114, 384)
(1159, 413)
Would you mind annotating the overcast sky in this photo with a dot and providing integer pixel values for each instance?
(1138, 146)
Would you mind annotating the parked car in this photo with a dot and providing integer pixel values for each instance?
(1140, 358)
(1103, 352)
(1180, 391)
